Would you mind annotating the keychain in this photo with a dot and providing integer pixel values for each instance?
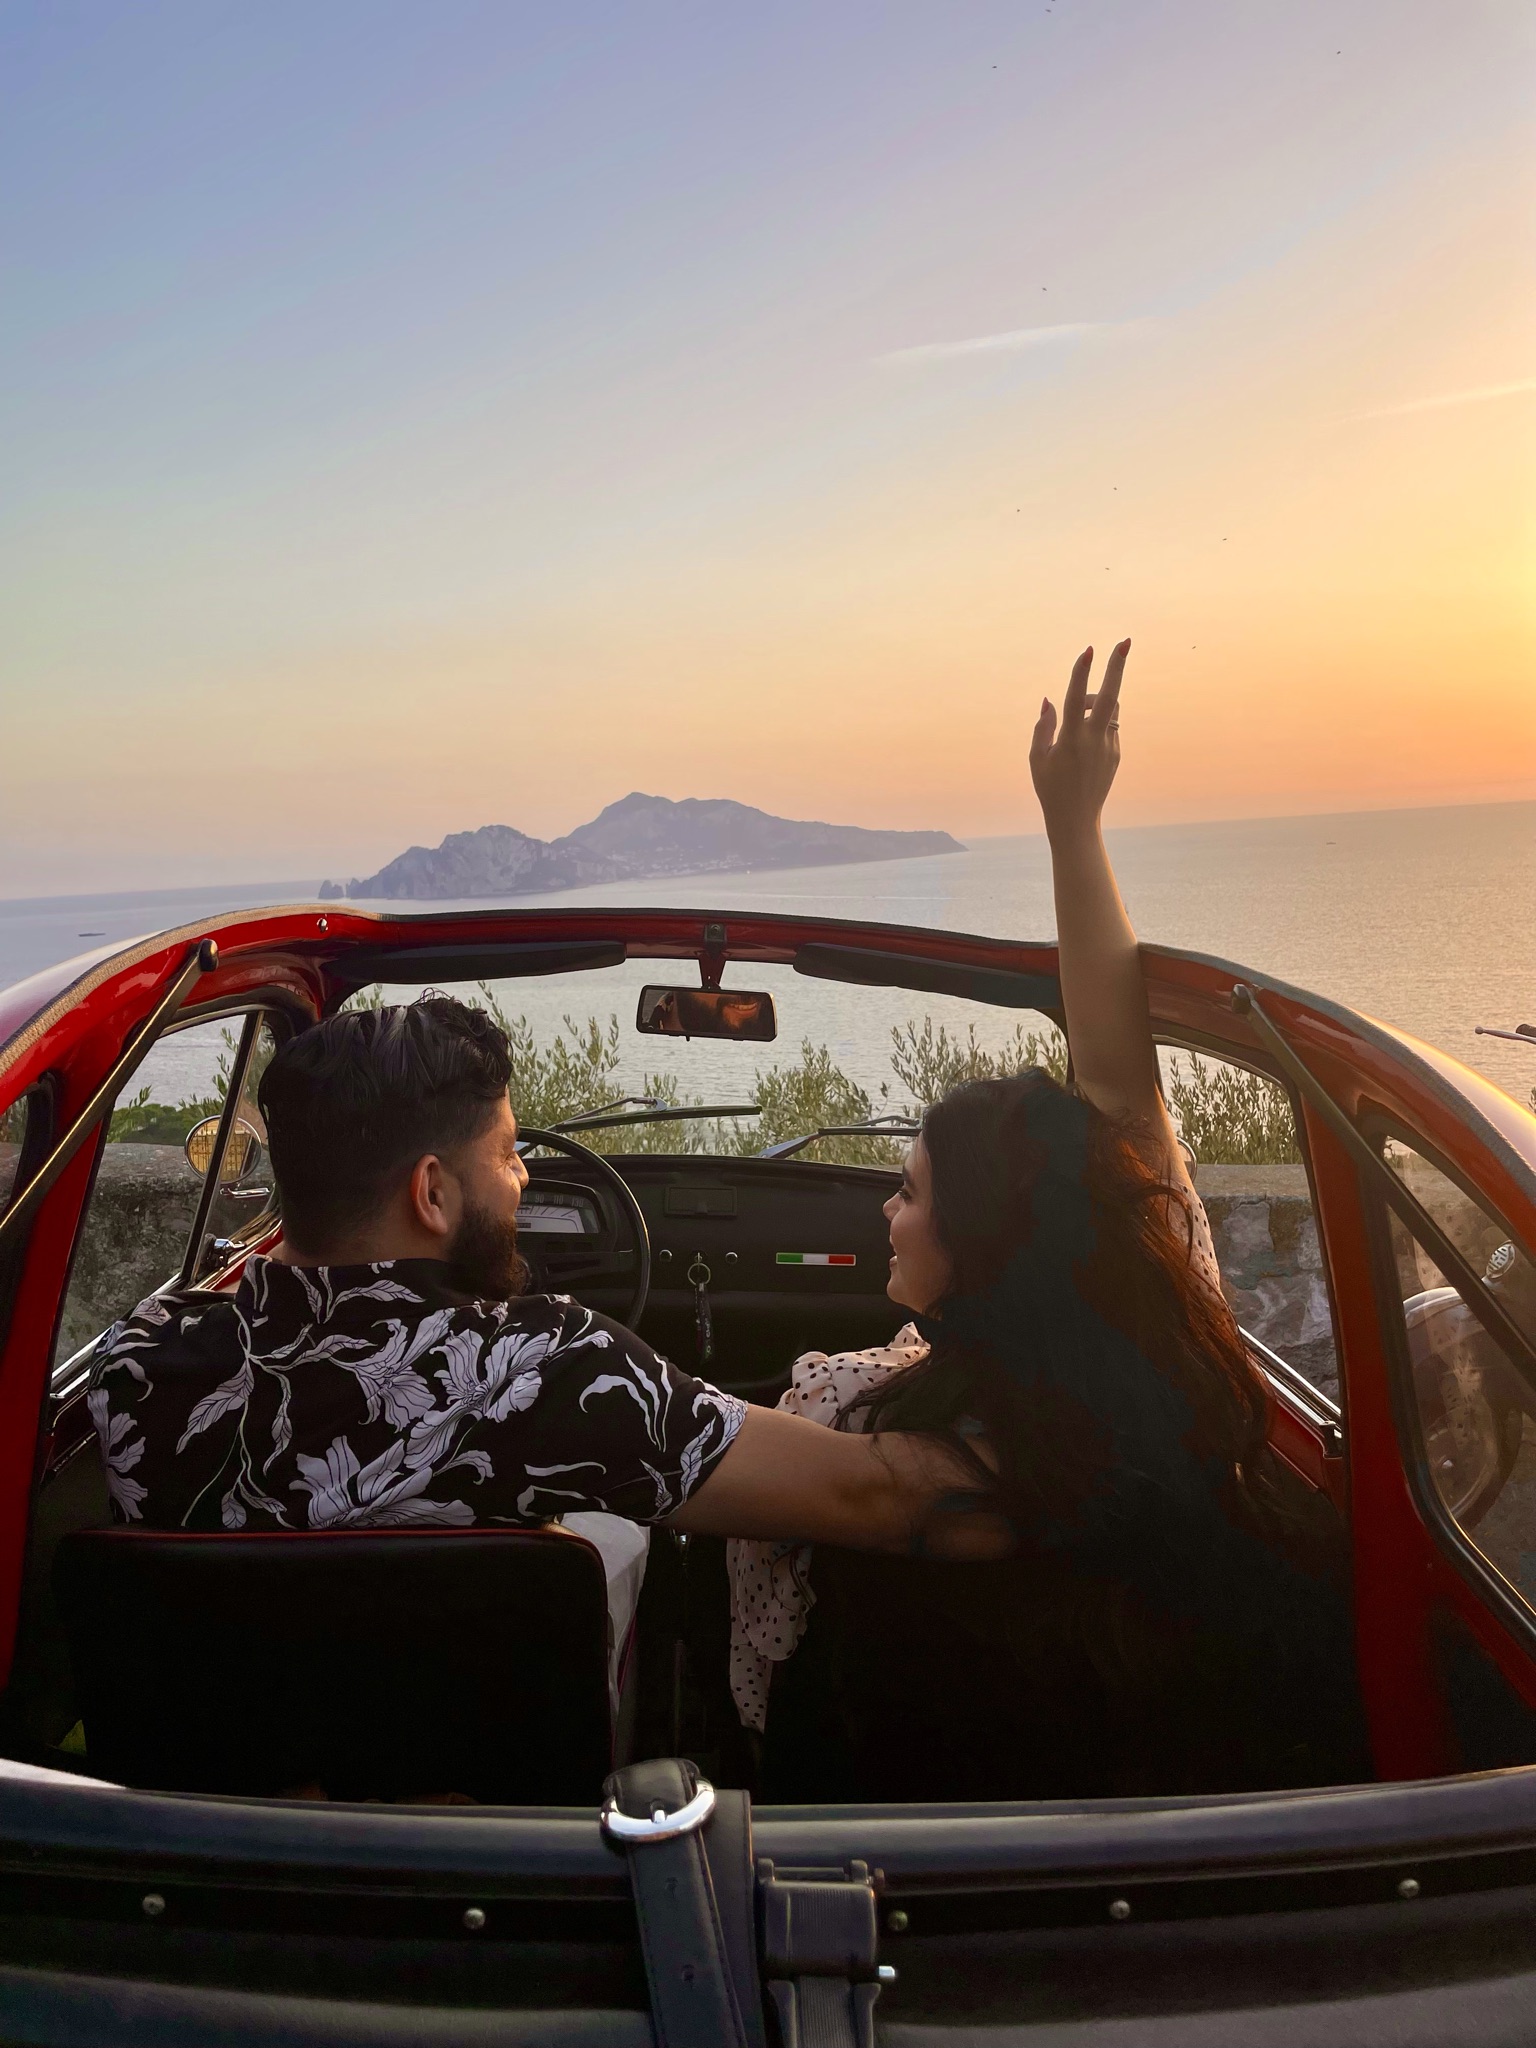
(698, 1280)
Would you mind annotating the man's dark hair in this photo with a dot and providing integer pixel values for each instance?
(353, 1103)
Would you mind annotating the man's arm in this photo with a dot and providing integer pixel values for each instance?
(784, 1476)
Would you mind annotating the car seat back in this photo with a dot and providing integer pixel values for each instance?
(375, 1664)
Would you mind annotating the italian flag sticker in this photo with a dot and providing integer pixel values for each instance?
(816, 1258)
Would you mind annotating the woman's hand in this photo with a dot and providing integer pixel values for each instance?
(1102, 992)
(1073, 768)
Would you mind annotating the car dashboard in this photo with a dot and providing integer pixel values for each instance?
(752, 1260)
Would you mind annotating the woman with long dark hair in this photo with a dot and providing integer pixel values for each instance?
(1171, 1615)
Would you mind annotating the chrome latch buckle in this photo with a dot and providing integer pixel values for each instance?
(662, 1826)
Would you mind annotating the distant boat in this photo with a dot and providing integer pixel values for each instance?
(90, 935)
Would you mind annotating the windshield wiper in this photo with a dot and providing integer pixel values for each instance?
(872, 1127)
(618, 1102)
(651, 1110)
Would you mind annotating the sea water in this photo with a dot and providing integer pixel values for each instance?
(1425, 919)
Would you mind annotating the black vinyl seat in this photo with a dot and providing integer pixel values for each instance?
(372, 1663)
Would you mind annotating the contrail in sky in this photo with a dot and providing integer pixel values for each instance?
(1474, 397)
(995, 344)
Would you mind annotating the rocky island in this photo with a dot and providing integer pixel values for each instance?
(632, 840)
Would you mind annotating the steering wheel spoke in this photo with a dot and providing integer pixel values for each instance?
(563, 1261)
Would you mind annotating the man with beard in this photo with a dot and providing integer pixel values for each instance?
(382, 1368)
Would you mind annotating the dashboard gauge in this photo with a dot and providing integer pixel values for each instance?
(567, 1214)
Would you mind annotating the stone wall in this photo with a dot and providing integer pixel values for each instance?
(1272, 1264)
(135, 1234)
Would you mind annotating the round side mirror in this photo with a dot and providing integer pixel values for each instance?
(242, 1154)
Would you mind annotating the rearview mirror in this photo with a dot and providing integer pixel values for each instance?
(707, 1013)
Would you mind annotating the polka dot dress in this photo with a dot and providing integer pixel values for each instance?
(771, 1595)
(1202, 1247)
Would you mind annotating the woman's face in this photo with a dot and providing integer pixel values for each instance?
(920, 1269)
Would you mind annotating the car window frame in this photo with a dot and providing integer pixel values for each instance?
(1476, 1571)
(240, 1067)
(1333, 1416)
(68, 1375)
(1377, 1128)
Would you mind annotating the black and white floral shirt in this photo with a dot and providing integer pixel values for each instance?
(345, 1397)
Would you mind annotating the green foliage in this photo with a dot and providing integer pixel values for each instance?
(806, 1097)
(577, 1071)
(1226, 1115)
(571, 1073)
(142, 1122)
(927, 1062)
(13, 1123)
(1229, 1117)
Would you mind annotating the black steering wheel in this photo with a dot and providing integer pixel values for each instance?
(529, 1136)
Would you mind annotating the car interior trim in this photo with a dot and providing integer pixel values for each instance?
(1324, 1414)
(505, 960)
(1001, 987)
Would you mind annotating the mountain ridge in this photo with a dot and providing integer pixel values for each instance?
(637, 838)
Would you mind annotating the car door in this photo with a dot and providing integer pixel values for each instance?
(1426, 1182)
(179, 1190)
(1456, 1283)
(1420, 1173)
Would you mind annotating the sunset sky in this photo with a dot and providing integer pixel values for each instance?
(417, 416)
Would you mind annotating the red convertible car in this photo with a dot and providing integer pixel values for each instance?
(157, 1886)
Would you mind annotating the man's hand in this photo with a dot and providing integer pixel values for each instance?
(784, 1476)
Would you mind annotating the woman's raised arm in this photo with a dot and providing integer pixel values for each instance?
(1073, 765)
